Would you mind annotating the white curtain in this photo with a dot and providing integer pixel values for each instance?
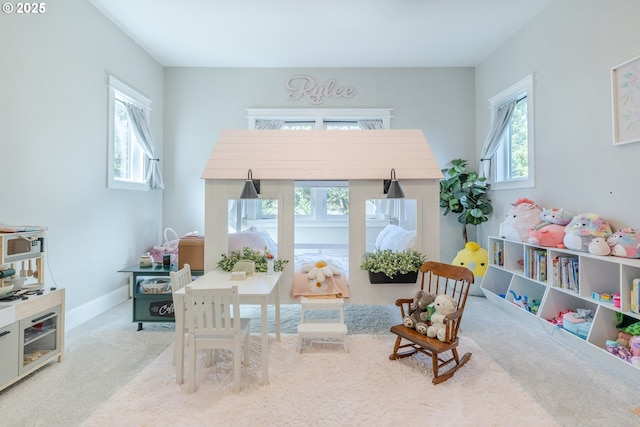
(269, 124)
(491, 144)
(370, 124)
(143, 134)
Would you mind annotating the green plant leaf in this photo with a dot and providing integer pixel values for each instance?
(392, 263)
(228, 261)
(464, 193)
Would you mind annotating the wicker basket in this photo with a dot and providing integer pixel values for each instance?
(155, 286)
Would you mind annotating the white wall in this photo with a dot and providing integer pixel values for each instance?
(53, 144)
(200, 103)
(571, 47)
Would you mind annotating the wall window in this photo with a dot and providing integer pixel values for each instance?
(311, 118)
(512, 164)
(322, 200)
(321, 208)
(319, 200)
(127, 163)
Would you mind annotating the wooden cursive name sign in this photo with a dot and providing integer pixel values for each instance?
(305, 86)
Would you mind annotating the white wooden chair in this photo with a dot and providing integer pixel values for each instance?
(213, 323)
(179, 279)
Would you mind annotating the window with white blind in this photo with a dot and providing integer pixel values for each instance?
(330, 119)
(126, 168)
(512, 165)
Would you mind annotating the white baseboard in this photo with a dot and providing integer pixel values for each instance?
(87, 311)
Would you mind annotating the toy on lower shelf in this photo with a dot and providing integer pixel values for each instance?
(578, 322)
(522, 301)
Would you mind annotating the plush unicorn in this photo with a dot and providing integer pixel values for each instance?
(625, 243)
(554, 216)
(523, 215)
(550, 232)
(583, 228)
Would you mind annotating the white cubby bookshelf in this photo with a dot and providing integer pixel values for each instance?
(511, 270)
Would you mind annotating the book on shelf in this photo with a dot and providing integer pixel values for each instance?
(535, 264)
(566, 272)
(498, 254)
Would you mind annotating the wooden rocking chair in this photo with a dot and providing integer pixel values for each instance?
(437, 278)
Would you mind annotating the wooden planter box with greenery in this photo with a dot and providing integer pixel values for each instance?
(387, 266)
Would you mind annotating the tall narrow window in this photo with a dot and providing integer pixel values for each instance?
(513, 158)
(512, 164)
(127, 163)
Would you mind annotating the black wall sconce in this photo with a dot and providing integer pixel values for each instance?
(391, 187)
(251, 187)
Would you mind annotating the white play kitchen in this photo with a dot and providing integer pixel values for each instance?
(31, 317)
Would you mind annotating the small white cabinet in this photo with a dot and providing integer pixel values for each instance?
(34, 338)
(557, 280)
(8, 352)
(31, 329)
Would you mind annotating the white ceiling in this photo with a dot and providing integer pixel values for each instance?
(327, 33)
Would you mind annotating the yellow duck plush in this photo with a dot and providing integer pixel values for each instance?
(474, 258)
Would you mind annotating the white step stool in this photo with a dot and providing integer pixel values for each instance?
(322, 328)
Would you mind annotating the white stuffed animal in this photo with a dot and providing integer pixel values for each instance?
(444, 304)
(521, 217)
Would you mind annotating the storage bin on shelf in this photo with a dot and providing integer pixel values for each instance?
(156, 285)
(576, 325)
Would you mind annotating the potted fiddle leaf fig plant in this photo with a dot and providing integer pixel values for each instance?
(465, 193)
(387, 266)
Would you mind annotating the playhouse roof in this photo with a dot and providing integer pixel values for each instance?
(322, 155)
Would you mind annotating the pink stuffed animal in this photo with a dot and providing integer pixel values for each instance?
(523, 215)
(550, 232)
(550, 235)
(625, 243)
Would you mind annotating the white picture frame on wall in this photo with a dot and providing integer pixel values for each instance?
(625, 99)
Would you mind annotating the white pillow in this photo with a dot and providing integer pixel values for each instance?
(406, 240)
(395, 238)
(383, 240)
(273, 246)
(253, 240)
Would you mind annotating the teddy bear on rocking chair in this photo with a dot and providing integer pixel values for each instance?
(444, 304)
(419, 312)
